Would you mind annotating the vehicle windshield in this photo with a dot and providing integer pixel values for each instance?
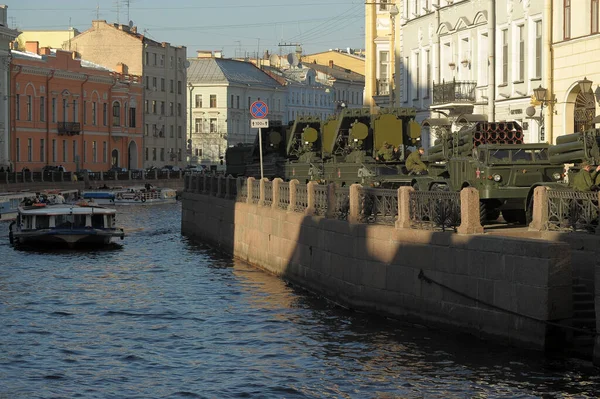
(499, 156)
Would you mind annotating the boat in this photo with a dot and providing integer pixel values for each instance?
(9, 203)
(146, 196)
(100, 197)
(64, 224)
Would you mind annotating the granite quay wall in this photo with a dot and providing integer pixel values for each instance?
(492, 286)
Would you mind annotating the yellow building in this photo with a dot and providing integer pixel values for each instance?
(576, 54)
(353, 62)
(380, 53)
(48, 38)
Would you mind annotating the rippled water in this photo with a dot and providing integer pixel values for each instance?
(162, 317)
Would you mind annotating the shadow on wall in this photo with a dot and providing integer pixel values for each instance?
(512, 289)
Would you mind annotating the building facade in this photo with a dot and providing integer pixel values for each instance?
(163, 70)
(576, 55)
(220, 93)
(351, 59)
(7, 36)
(67, 111)
(47, 38)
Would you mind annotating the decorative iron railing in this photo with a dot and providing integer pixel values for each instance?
(68, 128)
(255, 191)
(284, 196)
(572, 210)
(232, 184)
(268, 199)
(454, 91)
(342, 203)
(301, 198)
(378, 206)
(321, 199)
(242, 193)
(434, 210)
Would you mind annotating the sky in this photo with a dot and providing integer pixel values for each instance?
(237, 27)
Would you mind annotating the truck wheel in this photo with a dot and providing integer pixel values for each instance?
(487, 213)
(514, 216)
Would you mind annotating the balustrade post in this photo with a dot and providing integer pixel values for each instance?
(238, 184)
(354, 211)
(219, 186)
(403, 221)
(249, 189)
(540, 214)
(276, 183)
(293, 184)
(261, 192)
(310, 197)
(470, 219)
(228, 187)
(331, 202)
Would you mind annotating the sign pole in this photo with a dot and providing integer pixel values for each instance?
(260, 152)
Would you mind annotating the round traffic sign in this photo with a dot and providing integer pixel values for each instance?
(259, 109)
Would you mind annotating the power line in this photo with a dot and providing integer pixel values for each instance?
(197, 7)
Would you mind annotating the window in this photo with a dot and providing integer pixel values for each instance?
(521, 36)
(75, 111)
(94, 113)
(162, 154)
(94, 152)
(146, 106)
(29, 106)
(147, 153)
(383, 5)
(198, 100)
(213, 125)
(42, 150)
(179, 87)
(116, 114)
(147, 82)
(104, 151)
(18, 143)
(74, 150)
(171, 109)
(54, 150)
(154, 154)
(146, 129)
(105, 114)
(567, 19)
(171, 62)
(53, 111)
(171, 132)
(84, 151)
(154, 131)
(213, 101)
(154, 82)
(178, 109)
(18, 106)
(132, 121)
(155, 57)
(238, 102)
(594, 16)
(162, 84)
(147, 58)
(427, 75)
(65, 110)
(417, 76)
(179, 131)
(171, 86)
(538, 49)
(29, 150)
(162, 60)
(198, 125)
(504, 79)
(65, 153)
(405, 80)
(162, 107)
(42, 109)
(154, 106)
(232, 101)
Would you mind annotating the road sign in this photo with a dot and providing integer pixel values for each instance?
(259, 123)
(259, 109)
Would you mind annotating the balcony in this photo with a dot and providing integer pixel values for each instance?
(383, 87)
(68, 128)
(462, 92)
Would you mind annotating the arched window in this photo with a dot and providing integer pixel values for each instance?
(585, 110)
(116, 114)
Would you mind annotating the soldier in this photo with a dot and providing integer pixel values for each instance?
(584, 180)
(414, 165)
(385, 153)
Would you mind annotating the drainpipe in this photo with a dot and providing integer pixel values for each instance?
(48, 102)
(492, 62)
(548, 77)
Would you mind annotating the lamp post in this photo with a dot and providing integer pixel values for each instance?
(393, 12)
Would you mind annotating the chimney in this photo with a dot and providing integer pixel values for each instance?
(45, 51)
(218, 54)
(32, 47)
(330, 63)
(204, 53)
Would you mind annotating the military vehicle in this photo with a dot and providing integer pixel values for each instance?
(303, 151)
(492, 158)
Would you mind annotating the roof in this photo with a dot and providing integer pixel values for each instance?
(223, 70)
(337, 72)
(33, 56)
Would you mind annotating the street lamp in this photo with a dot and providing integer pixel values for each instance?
(540, 95)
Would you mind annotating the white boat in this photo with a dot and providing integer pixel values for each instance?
(100, 197)
(66, 224)
(146, 196)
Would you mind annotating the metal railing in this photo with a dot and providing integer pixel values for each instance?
(321, 200)
(434, 210)
(378, 206)
(284, 196)
(454, 91)
(342, 203)
(572, 210)
(268, 197)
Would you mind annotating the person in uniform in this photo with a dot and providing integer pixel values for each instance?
(585, 178)
(385, 153)
(414, 165)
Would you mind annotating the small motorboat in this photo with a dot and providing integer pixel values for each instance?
(64, 224)
(146, 196)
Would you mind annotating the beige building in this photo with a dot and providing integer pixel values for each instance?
(576, 56)
(346, 59)
(47, 38)
(7, 36)
(163, 70)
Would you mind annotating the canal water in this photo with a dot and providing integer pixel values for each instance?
(162, 317)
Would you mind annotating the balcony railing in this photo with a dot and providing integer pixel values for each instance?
(69, 128)
(383, 87)
(454, 92)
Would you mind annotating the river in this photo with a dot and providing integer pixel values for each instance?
(158, 316)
